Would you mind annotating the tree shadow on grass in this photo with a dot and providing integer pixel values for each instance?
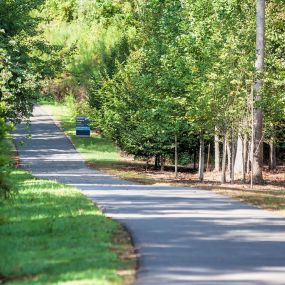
(52, 234)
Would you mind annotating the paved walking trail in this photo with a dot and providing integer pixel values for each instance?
(184, 236)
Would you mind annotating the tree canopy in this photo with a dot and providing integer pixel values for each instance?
(145, 71)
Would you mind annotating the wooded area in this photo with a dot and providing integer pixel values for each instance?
(170, 80)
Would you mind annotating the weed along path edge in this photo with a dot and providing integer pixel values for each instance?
(183, 235)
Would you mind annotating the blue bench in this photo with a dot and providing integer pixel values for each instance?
(83, 131)
(82, 127)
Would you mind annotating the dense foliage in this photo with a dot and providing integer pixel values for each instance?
(19, 71)
(146, 72)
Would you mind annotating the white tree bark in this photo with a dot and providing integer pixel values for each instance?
(217, 152)
(239, 160)
(223, 174)
(257, 159)
(232, 147)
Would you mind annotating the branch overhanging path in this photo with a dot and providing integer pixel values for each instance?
(183, 235)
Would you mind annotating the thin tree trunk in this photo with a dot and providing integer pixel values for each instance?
(251, 154)
(217, 152)
(229, 156)
(201, 159)
(248, 165)
(156, 163)
(239, 160)
(223, 176)
(243, 160)
(272, 156)
(195, 159)
(232, 159)
(245, 151)
(208, 157)
(146, 165)
(162, 162)
(257, 162)
(176, 157)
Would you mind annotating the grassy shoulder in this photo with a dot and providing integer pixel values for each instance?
(52, 234)
(101, 154)
(95, 149)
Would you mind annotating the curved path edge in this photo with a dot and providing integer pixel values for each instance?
(184, 235)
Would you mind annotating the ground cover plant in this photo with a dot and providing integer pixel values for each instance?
(52, 234)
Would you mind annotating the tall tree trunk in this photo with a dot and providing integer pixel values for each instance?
(201, 159)
(176, 157)
(272, 156)
(208, 157)
(223, 175)
(257, 160)
(217, 152)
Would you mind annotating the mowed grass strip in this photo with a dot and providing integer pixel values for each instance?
(52, 234)
(94, 148)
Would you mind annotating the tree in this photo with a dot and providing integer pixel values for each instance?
(186, 77)
(18, 74)
(257, 138)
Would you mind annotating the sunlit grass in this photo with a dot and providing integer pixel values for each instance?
(95, 148)
(271, 199)
(52, 234)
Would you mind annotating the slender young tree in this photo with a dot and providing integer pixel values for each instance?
(223, 174)
(217, 151)
(257, 159)
(201, 159)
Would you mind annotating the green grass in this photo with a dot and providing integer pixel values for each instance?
(52, 234)
(95, 148)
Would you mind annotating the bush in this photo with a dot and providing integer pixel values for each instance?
(5, 185)
(5, 168)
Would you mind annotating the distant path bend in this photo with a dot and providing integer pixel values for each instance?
(184, 236)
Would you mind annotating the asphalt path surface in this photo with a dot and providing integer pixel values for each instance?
(183, 235)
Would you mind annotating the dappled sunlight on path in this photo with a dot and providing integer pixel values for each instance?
(184, 235)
